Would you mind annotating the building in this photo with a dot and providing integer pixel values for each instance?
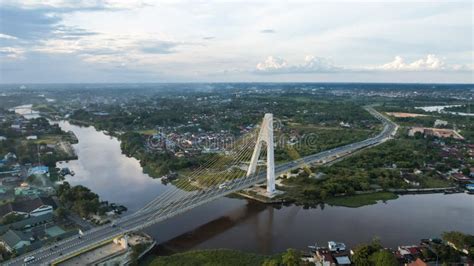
(409, 253)
(410, 179)
(323, 257)
(2, 138)
(32, 137)
(9, 157)
(38, 170)
(27, 223)
(32, 207)
(459, 177)
(26, 191)
(335, 246)
(342, 260)
(15, 240)
(440, 123)
(418, 262)
(435, 132)
(470, 188)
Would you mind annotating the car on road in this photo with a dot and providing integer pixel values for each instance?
(224, 185)
(28, 259)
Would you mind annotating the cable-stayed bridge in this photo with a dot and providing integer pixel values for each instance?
(216, 178)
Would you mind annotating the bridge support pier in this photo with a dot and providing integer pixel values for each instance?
(265, 135)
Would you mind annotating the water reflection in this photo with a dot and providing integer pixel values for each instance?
(249, 226)
(267, 230)
(105, 170)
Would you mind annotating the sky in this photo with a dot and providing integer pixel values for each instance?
(72, 41)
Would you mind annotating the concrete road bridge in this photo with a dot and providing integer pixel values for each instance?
(186, 195)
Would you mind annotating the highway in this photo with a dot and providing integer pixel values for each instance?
(166, 210)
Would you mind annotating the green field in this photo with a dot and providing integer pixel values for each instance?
(209, 257)
(361, 200)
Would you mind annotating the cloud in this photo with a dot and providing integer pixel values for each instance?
(158, 47)
(73, 5)
(11, 53)
(71, 33)
(311, 64)
(267, 31)
(208, 38)
(272, 64)
(27, 24)
(40, 28)
(428, 63)
(7, 37)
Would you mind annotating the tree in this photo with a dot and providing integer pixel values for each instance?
(270, 262)
(383, 258)
(291, 257)
(363, 253)
(60, 212)
(11, 218)
(459, 239)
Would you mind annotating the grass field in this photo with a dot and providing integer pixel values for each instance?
(361, 200)
(431, 182)
(209, 257)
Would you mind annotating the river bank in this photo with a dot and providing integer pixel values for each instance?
(255, 227)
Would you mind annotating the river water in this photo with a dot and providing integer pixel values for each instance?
(250, 226)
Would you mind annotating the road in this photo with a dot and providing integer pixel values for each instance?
(166, 210)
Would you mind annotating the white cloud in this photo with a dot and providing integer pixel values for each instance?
(311, 64)
(73, 4)
(194, 39)
(11, 53)
(430, 62)
(7, 37)
(272, 64)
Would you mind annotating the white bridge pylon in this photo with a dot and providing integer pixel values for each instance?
(265, 135)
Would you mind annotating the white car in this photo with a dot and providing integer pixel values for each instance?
(28, 259)
(221, 186)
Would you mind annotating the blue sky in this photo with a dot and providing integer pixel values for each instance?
(55, 41)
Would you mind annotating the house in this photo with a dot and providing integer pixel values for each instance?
(342, 260)
(26, 191)
(418, 262)
(323, 257)
(335, 246)
(9, 156)
(440, 123)
(15, 240)
(32, 137)
(459, 177)
(410, 179)
(16, 126)
(345, 125)
(32, 207)
(38, 170)
(470, 188)
(2, 138)
(409, 253)
(27, 223)
(412, 182)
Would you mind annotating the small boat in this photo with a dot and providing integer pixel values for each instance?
(313, 248)
(449, 191)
